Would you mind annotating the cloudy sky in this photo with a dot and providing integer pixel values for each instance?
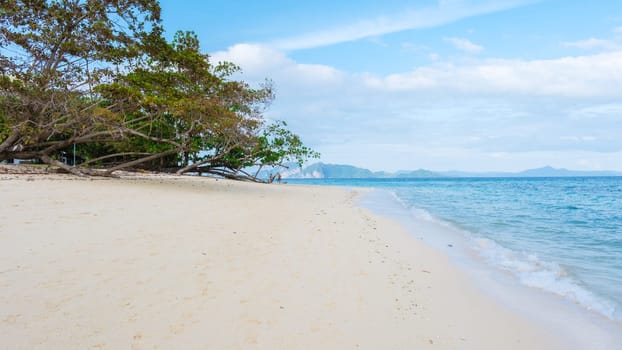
(473, 85)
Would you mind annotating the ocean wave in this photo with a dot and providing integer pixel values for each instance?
(528, 268)
(548, 276)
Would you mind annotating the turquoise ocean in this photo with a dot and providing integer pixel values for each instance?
(562, 236)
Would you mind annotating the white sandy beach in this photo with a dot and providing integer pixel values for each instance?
(195, 263)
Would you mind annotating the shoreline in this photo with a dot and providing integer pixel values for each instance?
(160, 261)
(583, 327)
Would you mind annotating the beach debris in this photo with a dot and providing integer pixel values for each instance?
(450, 245)
(426, 271)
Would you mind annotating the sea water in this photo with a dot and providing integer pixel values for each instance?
(562, 236)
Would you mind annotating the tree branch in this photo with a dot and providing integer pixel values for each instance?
(141, 160)
(8, 142)
(114, 155)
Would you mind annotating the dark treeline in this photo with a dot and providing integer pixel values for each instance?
(99, 77)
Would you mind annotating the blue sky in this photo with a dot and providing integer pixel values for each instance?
(442, 85)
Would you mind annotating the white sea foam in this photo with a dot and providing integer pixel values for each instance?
(422, 214)
(557, 287)
(527, 268)
(548, 276)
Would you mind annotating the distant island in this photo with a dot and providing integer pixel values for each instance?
(343, 171)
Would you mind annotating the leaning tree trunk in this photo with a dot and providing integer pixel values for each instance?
(73, 170)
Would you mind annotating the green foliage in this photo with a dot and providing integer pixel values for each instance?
(61, 84)
(52, 54)
(4, 126)
(278, 145)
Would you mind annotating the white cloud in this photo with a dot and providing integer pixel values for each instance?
(259, 62)
(581, 76)
(578, 138)
(252, 58)
(445, 12)
(464, 45)
(442, 116)
(593, 44)
(598, 112)
(409, 156)
(618, 30)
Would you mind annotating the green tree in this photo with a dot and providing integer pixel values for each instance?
(52, 54)
(99, 74)
(179, 102)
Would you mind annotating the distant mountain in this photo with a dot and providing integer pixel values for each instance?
(291, 169)
(421, 173)
(342, 171)
(330, 171)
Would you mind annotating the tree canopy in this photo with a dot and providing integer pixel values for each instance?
(98, 76)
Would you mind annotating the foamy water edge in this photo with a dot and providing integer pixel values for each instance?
(527, 268)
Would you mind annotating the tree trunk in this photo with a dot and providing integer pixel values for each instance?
(8, 142)
(73, 170)
(140, 161)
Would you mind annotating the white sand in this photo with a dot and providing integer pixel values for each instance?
(188, 263)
